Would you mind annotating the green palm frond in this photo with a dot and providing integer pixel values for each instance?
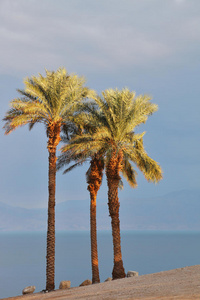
(73, 167)
(68, 158)
(149, 167)
(47, 99)
(88, 174)
(129, 172)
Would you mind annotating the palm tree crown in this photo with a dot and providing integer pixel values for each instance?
(49, 99)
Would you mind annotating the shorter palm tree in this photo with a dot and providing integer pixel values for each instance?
(94, 177)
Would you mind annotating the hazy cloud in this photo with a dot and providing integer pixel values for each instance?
(106, 35)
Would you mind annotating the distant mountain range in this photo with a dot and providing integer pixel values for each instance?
(175, 211)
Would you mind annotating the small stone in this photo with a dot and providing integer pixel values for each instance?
(86, 282)
(108, 279)
(132, 274)
(28, 290)
(65, 284)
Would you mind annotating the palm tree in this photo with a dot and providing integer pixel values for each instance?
(50, 100)
(117, 116)
(94, 177)
(94, 180)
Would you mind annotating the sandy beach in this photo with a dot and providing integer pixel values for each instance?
(178, 284)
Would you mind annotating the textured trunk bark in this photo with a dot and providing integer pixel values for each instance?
(94, 183)
(113, 179)
(54, 139)
(93, 237)
(50, 267)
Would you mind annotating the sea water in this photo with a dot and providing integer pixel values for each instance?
(23, 256)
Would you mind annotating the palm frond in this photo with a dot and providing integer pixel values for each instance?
(150, 168)
(47, 99)
(129, 172)
(73, 167)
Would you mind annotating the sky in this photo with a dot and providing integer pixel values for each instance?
(150, 46)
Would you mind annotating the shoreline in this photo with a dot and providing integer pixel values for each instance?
(179, 284)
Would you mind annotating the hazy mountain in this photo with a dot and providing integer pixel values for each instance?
(17, 218)
(174, 211)
(178, 210)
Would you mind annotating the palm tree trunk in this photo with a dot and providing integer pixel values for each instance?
(95, 175)
(113, 179)
(93, 238)
(54, 139)
(50, 267)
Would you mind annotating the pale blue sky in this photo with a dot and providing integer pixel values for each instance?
(149, 46)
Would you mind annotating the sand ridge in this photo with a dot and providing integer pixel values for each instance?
(177, 284)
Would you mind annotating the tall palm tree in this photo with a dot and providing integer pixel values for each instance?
(117, 116)
(50, 100)
(94, 177)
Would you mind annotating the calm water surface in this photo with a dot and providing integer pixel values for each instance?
(23, 256)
